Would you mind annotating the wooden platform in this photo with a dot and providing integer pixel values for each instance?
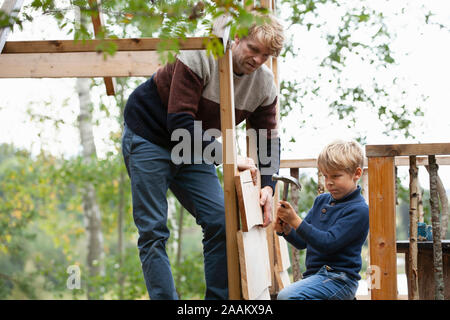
(425, 266)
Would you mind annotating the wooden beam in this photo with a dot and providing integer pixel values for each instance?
(392, 150)
(78, 65)
(227, 120)
(382, 243)
(11, 8)
(399, 161)
(97, 22)
(131, 44)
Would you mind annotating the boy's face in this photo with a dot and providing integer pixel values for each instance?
(248, 55)
(339, 183)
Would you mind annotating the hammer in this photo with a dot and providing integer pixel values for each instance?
(287, 180)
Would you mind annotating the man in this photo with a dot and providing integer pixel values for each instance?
(184, 96)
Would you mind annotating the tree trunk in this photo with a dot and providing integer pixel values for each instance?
(320, 182)
(437, 245)
(120, 244)
(413, 292)
(296, 273)
(444, 203)
(92, 214)
(91, 209)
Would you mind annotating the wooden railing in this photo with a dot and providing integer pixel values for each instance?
(378, 185)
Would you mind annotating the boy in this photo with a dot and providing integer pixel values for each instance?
(334, 230)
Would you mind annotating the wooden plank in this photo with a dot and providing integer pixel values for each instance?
(80, 65)
(227, 120)
(248, 199)
(399, 161)
(391, 150)
(254, 263)
(97, 22)
(382, 227)
(11, 8)
(129, 44)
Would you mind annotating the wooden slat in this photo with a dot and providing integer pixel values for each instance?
(227, 120)
(64, 46)
(97, 22)
(248, 199)
(399, 161)
(10, 7)
(391, 150)
(382, 227)
(254, 262)
(81, 65)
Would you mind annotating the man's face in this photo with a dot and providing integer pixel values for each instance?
(248, 55)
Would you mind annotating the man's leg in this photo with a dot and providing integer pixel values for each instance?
(198, 189)
(150, 172)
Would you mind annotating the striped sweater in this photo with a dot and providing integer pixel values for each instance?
(187, 90)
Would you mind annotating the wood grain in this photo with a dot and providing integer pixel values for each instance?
(248, 199)
(382, 226)
(78, 65)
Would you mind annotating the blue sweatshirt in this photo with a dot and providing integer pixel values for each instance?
(333, 233)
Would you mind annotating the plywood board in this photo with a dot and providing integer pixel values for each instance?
(248, 199)
(254, 263)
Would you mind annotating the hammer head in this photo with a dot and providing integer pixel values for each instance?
(287, 180)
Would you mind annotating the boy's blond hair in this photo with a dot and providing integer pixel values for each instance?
(270, 34)
(341, 155)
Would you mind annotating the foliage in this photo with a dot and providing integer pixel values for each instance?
(41, 216)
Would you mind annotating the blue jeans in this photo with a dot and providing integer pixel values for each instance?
(198, 189)
(323, 285)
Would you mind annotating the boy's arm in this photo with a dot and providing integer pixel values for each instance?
(345, 230)
(293, 238)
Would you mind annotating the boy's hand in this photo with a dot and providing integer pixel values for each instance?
(281, 227)
(286, 213)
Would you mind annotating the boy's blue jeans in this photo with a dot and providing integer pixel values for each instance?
(323, 285)
(198, 189)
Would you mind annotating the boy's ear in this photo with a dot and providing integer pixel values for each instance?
(358, 173)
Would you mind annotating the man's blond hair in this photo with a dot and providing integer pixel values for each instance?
(270, 34)
(341, 155)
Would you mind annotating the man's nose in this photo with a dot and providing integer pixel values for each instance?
(259, 59)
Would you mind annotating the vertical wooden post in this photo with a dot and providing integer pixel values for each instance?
(436, 225)
(227, 120)
(413, 283)
(97, 22)
(383, 252)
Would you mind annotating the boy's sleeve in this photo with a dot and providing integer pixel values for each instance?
(345, 230)
(294, 239)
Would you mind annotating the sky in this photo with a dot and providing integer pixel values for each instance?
(422, 52)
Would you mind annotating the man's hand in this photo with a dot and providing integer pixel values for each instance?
(265, 200)
(244, 163)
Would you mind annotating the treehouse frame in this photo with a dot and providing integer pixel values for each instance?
(137, 57)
